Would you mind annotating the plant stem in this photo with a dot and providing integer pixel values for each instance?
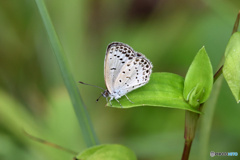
(217, 74)
(187, 148)
(189, 134)
(235, 27)
(49, 143)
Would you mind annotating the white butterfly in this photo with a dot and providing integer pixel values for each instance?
(124, 71)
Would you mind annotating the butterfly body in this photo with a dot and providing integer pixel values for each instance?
(124, 70)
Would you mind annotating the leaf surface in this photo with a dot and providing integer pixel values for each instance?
(107, 152)
(231, 68)
(163, 90)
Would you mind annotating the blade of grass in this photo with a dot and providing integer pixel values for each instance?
(79, 107)
(207, 119)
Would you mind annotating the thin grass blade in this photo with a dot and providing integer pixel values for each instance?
(79, 108)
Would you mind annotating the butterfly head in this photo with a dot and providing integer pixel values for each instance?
(106, 93)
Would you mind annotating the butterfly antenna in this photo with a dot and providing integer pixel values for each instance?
(99, 98)
(90, 85)
(49, 143)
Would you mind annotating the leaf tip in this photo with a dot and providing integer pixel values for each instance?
(203, 48)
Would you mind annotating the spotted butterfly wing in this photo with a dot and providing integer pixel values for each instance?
(125, 69)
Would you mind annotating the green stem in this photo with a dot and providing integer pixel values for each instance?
(79, 108)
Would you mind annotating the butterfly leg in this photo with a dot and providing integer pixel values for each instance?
(119, 103)
(128, 98)
(109, 101)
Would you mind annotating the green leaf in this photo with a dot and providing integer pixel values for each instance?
(79, 108)
(163, 90)
(107, 152)
(231, 68)
(199, 79)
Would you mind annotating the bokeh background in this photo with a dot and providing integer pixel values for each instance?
(34, 98)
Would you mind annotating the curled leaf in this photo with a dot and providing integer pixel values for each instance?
(199, 79)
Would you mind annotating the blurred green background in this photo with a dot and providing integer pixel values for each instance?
(34, 98)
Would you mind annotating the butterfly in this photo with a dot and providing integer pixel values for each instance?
(124, 71)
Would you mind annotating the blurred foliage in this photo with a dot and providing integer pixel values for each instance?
(169, 33)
